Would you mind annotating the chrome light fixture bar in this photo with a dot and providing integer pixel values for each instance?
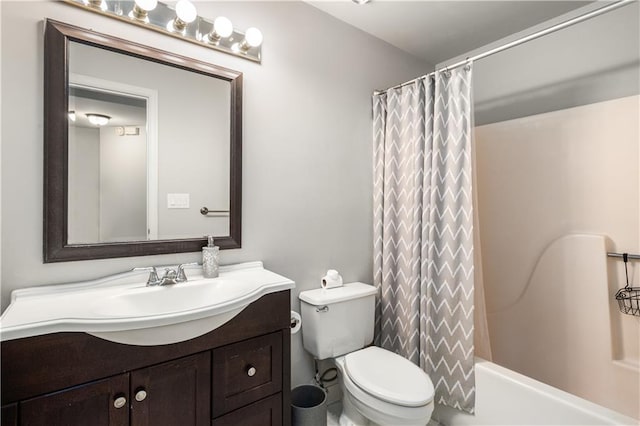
(183, 22)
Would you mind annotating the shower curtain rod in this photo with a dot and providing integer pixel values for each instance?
(538, 34)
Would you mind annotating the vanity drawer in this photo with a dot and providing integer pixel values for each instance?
(266, 412)
(246, 371)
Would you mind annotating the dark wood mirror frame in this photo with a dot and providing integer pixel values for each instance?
(56, 133)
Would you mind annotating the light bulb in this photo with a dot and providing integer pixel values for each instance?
(147, 4)
(253, 37)
(223, 26)
(186, 11)
(141, 9)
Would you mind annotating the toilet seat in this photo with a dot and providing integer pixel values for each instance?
(378, 410)
(389, 377)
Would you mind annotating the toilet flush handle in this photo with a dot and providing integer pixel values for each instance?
(322, 309)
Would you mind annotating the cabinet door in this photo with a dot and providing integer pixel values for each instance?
(99, 403)
(174, 393)
(247, 371)
(9, 415)
(266, 412)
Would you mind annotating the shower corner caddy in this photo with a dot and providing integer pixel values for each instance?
(628, 297)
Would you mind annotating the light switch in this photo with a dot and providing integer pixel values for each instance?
(177, 201)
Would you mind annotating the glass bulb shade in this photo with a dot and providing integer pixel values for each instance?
(253, 36)
(223, 26)
(186, 11)
(147, 4)
(98, 119)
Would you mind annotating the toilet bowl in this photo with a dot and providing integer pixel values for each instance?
(382, 388)
(379, 387)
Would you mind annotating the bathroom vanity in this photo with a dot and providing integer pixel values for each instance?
(236, 374)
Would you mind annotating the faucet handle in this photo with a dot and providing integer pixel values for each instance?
(153, 277)
(182, 277)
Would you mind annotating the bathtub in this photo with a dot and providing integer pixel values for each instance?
(504, 397)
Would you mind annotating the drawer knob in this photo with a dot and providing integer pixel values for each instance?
(120, 402)
(251, 371)
(141, 395)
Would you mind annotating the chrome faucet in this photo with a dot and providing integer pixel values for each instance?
(170, 276)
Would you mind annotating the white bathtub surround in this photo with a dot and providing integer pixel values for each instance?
(423, 229)
(560, 346)
(540, 178)
(504, 397)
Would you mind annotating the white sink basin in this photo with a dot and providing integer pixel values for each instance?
(122, 309)
(171, 299)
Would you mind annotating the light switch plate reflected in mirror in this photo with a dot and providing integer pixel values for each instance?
(177, 201)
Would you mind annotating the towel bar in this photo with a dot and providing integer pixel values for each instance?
(629, 256)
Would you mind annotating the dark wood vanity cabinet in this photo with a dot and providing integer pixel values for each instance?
(238, 374)
(95, 401)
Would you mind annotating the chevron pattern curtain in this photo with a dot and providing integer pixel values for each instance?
(423, 229)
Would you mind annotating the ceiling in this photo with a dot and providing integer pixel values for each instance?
(436, 31)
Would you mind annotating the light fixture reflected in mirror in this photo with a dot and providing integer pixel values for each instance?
(222, 28)
(72, 115)
(186, 13)
(141, 9)
(98, 119)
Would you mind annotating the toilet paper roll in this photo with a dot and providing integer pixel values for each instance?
(331, 280)
(296, 322)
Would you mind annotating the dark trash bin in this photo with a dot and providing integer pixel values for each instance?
(308, 406)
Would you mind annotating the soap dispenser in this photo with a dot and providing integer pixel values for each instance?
(210, 256)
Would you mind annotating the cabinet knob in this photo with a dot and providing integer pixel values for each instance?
(251, 371)
(141, 395)
(120, 402)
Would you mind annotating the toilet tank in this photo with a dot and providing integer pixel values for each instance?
(339, 320)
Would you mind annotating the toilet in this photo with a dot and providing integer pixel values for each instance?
(378, 387)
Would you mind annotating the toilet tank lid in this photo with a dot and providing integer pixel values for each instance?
(321, 296)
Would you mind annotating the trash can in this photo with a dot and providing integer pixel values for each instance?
(308, 406)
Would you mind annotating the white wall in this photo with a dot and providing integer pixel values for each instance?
(307, 157)
(123, 186)
(84, 185)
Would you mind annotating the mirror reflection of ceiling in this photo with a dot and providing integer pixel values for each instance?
(123, 110)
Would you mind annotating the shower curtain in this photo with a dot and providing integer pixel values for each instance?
(423, 229)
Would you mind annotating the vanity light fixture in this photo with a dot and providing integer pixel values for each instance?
(185, 14)
(222, 28)
(253, 38)
(98, 119)
(72, 115)
(181, 20)
(141, 9)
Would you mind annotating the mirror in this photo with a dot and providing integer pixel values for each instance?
(142, 149)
